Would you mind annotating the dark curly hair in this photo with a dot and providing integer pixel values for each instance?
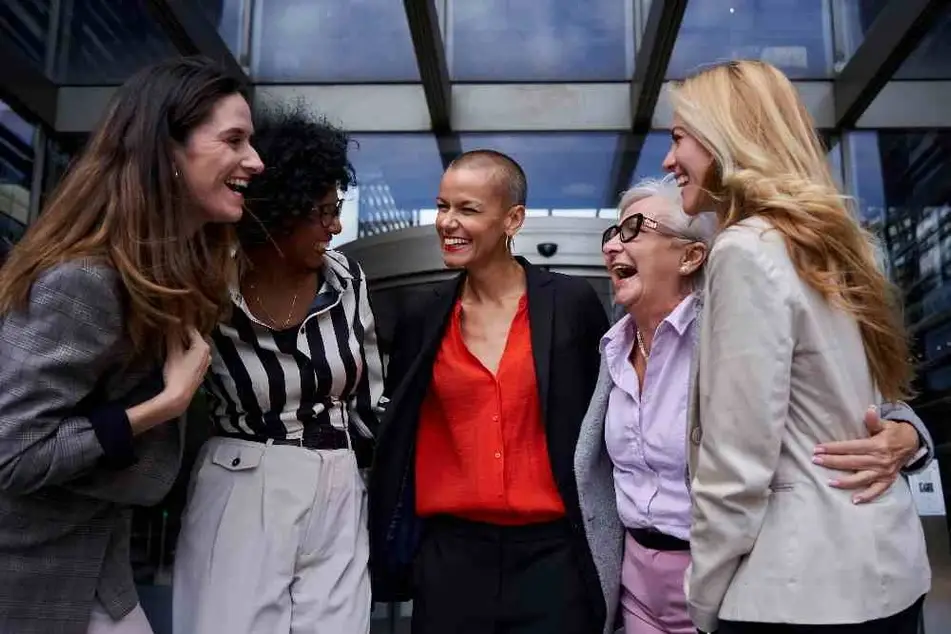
(304, 158)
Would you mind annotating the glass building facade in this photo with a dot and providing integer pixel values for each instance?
(575, 91)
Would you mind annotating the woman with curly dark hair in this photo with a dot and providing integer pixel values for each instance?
(274, 539)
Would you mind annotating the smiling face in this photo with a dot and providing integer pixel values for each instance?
(217, 160)
(304, 246)
(474, 218)
(653, 269)
(693, 166)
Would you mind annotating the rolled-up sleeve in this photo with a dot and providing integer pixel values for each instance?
(744, 368)
(52, 355)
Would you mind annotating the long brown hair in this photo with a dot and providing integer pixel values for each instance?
(122, 204)
(770, 162)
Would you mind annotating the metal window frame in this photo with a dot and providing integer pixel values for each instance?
(653, 56)
(423, 19)
(26, 88)
(893, 36)
(192, 34)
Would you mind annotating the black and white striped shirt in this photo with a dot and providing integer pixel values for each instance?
(326, 371)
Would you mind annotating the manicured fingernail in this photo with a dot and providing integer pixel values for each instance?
(818, 459)
(856, 500)
(834, 483)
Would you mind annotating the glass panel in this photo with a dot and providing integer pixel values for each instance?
(566, 172)
(541, 40)
(227, 16)
(652, 155)
(852, 19)
(932, 58)
(903, 183)
(332, 41)
(107, 41)
(25, 24)
(398, 177)
(795, 35)
(16, 176)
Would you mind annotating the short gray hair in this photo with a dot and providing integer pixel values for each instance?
(699, 228)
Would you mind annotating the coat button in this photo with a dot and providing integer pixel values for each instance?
(236, 462)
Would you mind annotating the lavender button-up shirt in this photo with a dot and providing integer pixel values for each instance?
(645, 431)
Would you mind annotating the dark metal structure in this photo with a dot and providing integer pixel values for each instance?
(893, 36)
(899, 27)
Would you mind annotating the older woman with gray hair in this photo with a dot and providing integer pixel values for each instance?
(631, 458)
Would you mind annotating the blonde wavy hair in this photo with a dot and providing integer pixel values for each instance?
(768, 161)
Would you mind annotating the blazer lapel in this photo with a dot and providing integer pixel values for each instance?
(435, 325)
(541, 317)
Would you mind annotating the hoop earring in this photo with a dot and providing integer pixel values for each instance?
(510, 243)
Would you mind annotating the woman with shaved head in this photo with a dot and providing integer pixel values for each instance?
(473, 502)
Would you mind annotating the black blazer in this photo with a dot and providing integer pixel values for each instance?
(567, 321)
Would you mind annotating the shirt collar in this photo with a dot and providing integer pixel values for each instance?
(336, 277)
(680, 318)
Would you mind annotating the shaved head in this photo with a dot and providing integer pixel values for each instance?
(507, 174)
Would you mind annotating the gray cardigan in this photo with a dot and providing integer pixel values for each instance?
(69, 467)
(595, 476)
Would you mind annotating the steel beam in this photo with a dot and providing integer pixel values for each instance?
(430, 51)
(893, 36)
(650, 66)
(192, 34)
(25, 87)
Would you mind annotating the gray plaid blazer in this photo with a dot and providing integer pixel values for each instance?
(65, 517)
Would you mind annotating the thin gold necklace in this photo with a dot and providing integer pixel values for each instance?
(640, 345)
(270, 318)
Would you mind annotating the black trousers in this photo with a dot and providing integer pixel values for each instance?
(905, 622)
(473, 578)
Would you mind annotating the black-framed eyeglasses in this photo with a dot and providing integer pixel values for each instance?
(327, 212)
(630, 227)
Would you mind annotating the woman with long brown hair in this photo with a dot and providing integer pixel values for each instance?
(799, 329)
(103, 308)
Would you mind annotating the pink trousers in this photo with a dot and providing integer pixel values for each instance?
(652, 590)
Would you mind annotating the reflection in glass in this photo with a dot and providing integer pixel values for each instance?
(565, 170)
(652, 155)
(16, 174)
(794, 35)
(852, 19)
(332, 41)
(932, 58)
(227, 17)
(397, 180)
(24, 24)
(540, 40)
(903, 182)
(108, 41)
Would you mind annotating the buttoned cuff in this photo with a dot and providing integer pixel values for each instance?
(114, 433)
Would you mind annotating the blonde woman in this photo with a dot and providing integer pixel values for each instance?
(798, 331)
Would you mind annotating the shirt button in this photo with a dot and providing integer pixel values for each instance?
(496, 417)
(498, 454)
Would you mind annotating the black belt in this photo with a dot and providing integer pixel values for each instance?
(655, 540)
(322, 437)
